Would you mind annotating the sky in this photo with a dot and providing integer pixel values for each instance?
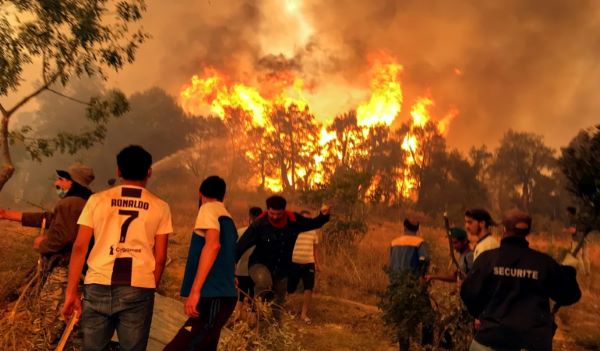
(521, 64)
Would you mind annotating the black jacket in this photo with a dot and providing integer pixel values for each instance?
(509, 290)
(275, 246)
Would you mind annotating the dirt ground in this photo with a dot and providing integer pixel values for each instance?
(338, 323)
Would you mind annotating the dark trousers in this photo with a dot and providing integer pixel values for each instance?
(269, 288)
(246, 286)
(202, 333)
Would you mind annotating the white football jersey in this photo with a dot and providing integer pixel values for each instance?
(125, 219)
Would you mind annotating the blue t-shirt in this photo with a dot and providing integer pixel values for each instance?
(220, 279)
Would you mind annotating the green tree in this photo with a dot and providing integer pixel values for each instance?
(580, 163)
(449, 183)
(521, 160)
(63, 40)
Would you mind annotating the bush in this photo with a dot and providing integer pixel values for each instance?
(405, 304)
(342, 234)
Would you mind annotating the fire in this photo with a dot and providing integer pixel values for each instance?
(213, 90)
(386, 96)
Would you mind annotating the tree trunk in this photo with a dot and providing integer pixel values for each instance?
(7, 166)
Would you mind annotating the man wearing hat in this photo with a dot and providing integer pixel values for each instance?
(55, 246)
(510, 288)
(460, 243)
(477, 224)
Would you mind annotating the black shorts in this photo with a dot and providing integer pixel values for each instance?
(246, 285)
(304, 272)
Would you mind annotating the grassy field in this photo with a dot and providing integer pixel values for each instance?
(344, 316)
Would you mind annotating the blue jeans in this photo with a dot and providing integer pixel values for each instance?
(126, 309)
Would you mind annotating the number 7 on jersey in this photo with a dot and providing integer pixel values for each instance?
(132, 215)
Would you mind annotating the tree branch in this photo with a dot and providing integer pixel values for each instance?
(68, 97)
(3, 111)
(32, 95)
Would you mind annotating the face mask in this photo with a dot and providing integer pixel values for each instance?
(61, 192)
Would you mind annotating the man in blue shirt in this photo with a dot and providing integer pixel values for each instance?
(208, 282)
(409, 254)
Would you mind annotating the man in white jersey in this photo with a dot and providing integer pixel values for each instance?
(130, 226)
(304, 266)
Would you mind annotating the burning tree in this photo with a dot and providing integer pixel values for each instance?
(290, 151)
(292, 137)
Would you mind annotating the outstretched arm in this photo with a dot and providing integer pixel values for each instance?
(11, 215)
(307, 224)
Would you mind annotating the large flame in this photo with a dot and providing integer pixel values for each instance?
(213, 91)
(386, 96)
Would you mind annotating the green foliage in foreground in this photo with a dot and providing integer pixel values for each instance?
(405, 304)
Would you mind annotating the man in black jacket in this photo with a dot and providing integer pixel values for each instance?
(274, 233)
(510, 289)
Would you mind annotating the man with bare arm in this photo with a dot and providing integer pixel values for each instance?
(208, 282)
(130, 226)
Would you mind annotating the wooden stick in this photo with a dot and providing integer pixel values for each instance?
(12, 314)
(67, 332)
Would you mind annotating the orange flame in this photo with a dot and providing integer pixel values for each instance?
(386, 96)
(213, 90)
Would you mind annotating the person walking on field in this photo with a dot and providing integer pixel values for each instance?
(208, 281)
(72, 187)
(477, 224)
(583, 255)
(510, 289)
(409, 254)
(130, 226)
(304, 267)
(274, 234)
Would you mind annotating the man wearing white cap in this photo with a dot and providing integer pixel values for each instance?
(55, 247)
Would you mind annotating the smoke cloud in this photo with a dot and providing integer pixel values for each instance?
(526, 65)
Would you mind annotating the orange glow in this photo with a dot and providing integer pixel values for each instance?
(213, 91)
(386, 96)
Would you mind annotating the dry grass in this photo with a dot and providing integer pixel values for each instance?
(358, 275)
(16, 241)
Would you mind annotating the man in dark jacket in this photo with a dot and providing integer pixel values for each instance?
(510, 288)
(274, 233)
(55, 247)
